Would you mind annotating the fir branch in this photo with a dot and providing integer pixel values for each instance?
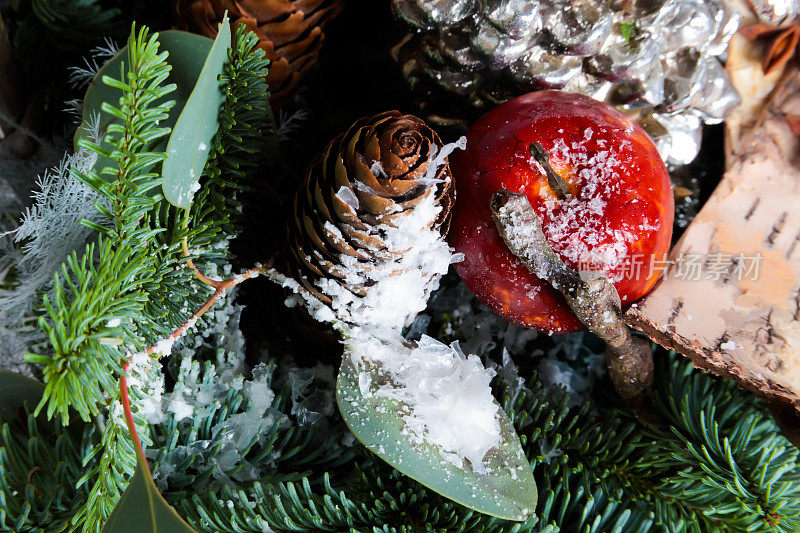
(114, 461)
(691, 477)
(34, 251)
(735, 467)
(228, 441)
(215, 215)
(597, 471)
(98, 297)
(40, 464)
(171, 291)
(108, 281)
(120, 441)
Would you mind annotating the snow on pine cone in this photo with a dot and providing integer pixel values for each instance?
(289, 32)
(368, 236)
(656, 60)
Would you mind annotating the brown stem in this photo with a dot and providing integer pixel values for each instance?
(126, 409)
(222, 288)
(594, 299)
(556, 182)
(199, 275)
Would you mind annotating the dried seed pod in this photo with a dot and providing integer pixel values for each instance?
(289, 31)
(379, 197)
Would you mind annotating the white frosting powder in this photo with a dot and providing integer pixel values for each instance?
(577, 228)
(443, 397)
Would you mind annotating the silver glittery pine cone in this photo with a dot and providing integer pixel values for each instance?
(658, 60)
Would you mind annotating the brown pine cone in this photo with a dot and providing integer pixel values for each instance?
(289, 31)
(365, 182)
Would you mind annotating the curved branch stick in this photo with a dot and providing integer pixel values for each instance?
(126, 409)
(594, 299)
(221, 289)
(215, 283)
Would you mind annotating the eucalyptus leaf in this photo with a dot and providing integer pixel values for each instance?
(15, 389)
(187, 55)
(506, 489)
(142, 509)
(190, 142)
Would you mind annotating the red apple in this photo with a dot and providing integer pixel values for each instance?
(616, 218)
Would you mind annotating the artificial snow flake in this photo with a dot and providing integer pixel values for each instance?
(444, 397)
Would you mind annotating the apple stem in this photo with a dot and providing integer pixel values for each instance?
(594, 299)
(556, 182)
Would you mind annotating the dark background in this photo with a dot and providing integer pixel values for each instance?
(355, 75)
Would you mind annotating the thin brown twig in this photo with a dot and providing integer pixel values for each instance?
(221, 288)
(199, 275)
(126, 409)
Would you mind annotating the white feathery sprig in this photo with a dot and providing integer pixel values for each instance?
(80, 76)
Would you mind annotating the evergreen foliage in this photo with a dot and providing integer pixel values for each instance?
(597, 469)
(130, 286)
(40, 464)
(719, 464)
(137, 258)
(50, 230)
(107, 282)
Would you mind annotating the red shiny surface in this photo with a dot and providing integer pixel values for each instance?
(633, 192)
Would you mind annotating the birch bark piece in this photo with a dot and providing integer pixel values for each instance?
(737, 323)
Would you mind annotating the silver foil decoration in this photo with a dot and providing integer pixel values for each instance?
(656, 60)
(775, 11)
(429, 14)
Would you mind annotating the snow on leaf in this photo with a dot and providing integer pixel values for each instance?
(428, 411)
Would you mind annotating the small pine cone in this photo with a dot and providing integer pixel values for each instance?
(289, 31)
(367, 180)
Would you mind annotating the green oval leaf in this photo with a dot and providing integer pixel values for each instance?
(187, 55)
(190, 142)
(142, 509)
(506, 489)
(15, 389)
